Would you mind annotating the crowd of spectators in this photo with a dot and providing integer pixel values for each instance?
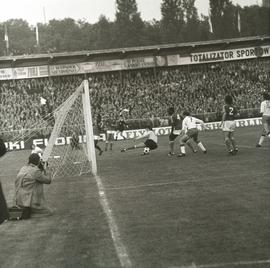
(145, 93)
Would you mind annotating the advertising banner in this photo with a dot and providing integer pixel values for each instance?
(138, 63)
(6, 74)
(221, 55)
(64, 69)
(102, 66)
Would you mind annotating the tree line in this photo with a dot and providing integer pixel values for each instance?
(180, 22)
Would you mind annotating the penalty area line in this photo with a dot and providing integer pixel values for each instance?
(118, 244)
(228, 264)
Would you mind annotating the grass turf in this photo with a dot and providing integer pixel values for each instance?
(170, 212)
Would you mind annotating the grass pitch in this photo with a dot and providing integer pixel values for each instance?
(199, 211)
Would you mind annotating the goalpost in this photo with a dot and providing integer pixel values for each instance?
(70, 150)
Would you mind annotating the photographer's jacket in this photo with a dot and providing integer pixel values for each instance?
(29, 186)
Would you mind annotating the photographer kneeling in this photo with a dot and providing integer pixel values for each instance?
(29, 193)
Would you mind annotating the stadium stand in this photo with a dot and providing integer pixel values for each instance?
(198, 88)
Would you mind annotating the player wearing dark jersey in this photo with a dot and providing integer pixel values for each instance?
(176, 130)
(121, 125)
(96, 138)
(230, 113)
(108, 127)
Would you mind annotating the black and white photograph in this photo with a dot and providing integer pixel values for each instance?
(135, 134)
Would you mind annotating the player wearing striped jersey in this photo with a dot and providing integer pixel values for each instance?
(176, 130)
(189, 126)
(151, 141)
(230, 113)
(265, 111)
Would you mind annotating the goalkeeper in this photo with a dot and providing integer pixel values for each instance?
(151, 141)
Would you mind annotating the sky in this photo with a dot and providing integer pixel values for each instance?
(34, 11)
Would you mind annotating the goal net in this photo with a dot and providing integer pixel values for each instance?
(70, 150)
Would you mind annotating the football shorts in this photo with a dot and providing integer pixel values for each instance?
(175, 134)
(266, 119)
(228, 126)
(193, 133)
(110, 135)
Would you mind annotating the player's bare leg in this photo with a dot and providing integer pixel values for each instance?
(261, 140)
(171, 145)
(228, 142)
(136, 146)
(183, 141)
(233, 142)
(199, 143)
(201, 146)
(189, 144)
(97, 147)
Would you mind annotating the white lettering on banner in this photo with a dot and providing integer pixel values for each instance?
(43, 71)
(137, 63)
(99, 66)
(161, 60)
(29, 72)
(64, 69)
(222, 55)
(17, 145)
(38, 142)
(6, 74)
(20, 73)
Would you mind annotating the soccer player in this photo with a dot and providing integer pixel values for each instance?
(3, 148)
(151, 141)
(176, 130)
(74, 141)
(36, 150)
(120, 127)
(230, 113)
(96, 138)
(108, 127)
(189, 126)
(265, 111)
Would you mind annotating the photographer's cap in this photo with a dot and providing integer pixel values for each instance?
(34, 159)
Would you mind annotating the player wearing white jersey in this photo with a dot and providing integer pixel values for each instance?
(150, 143)
(189, 126)
(176, 130)
(265, 111)
(36, 150)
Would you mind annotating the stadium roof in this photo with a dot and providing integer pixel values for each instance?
(144, 50)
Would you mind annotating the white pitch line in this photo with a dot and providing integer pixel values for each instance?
(228, 264)
(240, 146)
(119, 246)
(179, 182)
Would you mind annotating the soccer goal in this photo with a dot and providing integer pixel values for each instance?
(70, 150)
